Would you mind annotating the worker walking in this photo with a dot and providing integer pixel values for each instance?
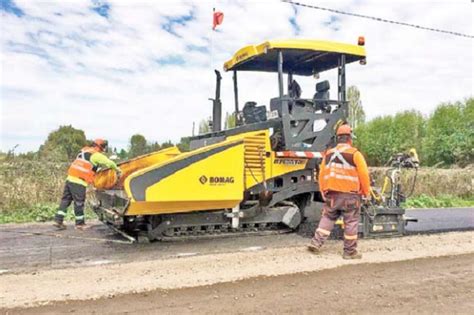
(343, 180)
(80, 174)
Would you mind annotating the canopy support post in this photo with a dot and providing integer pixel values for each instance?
(290, 80)
(280, 72)
(341, 79)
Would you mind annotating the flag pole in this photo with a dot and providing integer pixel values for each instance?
(211, 50)
(212, 38)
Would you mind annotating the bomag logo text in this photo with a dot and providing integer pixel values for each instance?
(221, 180)
(216, 180)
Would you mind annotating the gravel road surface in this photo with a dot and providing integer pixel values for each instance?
(440, 285)
(109, 278)
(28, 247)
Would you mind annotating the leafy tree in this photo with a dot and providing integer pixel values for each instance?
(63, 143)
(138, 146)
(204, 127)
(356, 111)
(450, 134)
(31, 156)
(229, 121)
(183, 144)
(465, 155)
(155, 146)
(408, 131)
(382, 137)
(122, 154)
(373, 140)
(167, 144)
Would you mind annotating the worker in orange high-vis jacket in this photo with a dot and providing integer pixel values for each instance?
(81, 173)
(343, 181)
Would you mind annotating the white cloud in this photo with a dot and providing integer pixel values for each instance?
(63, 63)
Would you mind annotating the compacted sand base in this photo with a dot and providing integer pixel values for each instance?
(437, 285)
(95, 282)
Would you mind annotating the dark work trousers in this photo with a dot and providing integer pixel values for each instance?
(72, 192)
(338, 203)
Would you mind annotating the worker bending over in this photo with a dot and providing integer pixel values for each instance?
(80, 174)
(343, 179)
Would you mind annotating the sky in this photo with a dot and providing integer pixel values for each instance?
(117, 68)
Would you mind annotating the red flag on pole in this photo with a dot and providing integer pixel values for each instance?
(217, 19)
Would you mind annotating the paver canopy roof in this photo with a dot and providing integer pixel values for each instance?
(302, 57)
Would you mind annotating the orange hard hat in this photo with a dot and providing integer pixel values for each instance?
(344, 130)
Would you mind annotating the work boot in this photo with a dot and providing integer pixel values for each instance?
(313, 248)
(82, 227)
(354, 255)
(59, 225)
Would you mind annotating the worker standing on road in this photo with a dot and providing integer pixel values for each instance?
(80, 174)
(343, 179)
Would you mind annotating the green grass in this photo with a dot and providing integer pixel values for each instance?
(44, 212)
(39, 213)
(443, 201)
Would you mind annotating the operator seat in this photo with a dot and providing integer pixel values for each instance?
(253, 113)
(321, 97)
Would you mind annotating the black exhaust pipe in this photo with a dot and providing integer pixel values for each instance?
(217, 105)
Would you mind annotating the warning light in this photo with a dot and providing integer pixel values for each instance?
(361, 41)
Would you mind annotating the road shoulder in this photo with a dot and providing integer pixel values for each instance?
(94, 282)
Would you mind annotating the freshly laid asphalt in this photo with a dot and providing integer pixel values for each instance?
(440, 220)
(29, 247)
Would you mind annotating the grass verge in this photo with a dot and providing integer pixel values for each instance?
(39, 213)
(443, 201)
(45, 212)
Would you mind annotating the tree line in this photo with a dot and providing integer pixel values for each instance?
(65, 143)
(444, 138)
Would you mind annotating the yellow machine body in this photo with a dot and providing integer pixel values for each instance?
(107, 179)
(260, 176)
(202, 180)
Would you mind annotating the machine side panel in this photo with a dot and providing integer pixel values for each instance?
(207, 179)
(138, 183)
(282, 166)
(106, 179)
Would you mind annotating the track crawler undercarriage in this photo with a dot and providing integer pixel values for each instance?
(278, 219)
(259, 177)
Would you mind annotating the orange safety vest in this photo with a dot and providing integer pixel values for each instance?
(340, 172)
(82, 167)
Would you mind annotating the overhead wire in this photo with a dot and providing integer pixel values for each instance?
(378, 19)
